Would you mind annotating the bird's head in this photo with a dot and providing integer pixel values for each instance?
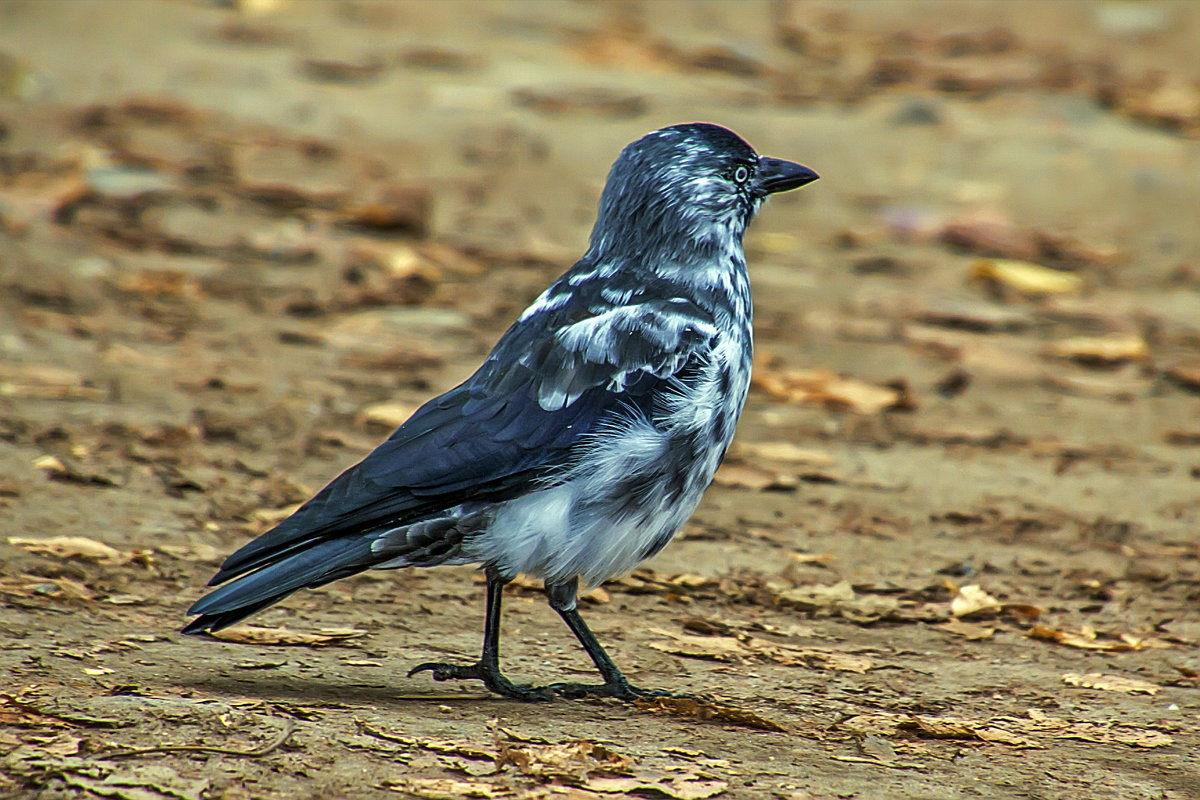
(687, 188)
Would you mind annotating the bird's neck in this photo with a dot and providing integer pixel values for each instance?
(715, 278)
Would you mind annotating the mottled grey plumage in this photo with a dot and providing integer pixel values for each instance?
(589, 434)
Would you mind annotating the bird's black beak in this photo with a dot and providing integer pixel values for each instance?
(777, 175)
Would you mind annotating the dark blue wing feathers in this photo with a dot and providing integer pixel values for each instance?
(515, 423)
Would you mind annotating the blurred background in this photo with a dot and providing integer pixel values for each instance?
(242, 240)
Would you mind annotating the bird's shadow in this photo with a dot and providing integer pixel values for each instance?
(317, 692)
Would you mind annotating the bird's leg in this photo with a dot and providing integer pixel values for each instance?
(487, 669)
(562, 598)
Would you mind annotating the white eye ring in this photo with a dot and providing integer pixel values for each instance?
(741, 174)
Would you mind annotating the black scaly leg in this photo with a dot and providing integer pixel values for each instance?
(562, 600)
(487, 669)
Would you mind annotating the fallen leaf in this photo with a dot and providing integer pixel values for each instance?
(1100, 350)
(72, 547)
(1186, 374)
(444, 788)
(972, 600)
(967, 630)
(785, 451)
(1033, 731)
(988, 233)
(745, 476)
(390, 415)
(839, 599)
(812, 558)
(191, 551)
(35, 586)
(1184, 438)
(142, 782)
(15, 712)
(715, 648)
(1041, 723)
(61, 744)
(255, 634)
(598, 595)
(678, 788)
(936, 728)
(1086, 639)
(570, 760)
(818, 595)
(325, 70)
(750, 648)
(44, 382)
(398, 209)
(67, 471)
(823, 387)
(1024, 277)
(162, 283)
(1110, 683)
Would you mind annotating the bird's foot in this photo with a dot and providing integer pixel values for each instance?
(492, 678)
(620, 689)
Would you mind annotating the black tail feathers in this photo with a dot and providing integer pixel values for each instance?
(323, 562)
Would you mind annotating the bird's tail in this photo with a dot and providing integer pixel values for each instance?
(314, 566)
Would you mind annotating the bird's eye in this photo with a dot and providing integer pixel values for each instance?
(741, 174)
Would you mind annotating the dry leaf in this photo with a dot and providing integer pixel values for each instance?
(738, 648)
(255, 634)
(1186, 374)
(556, 791)
(812, 558)
(15, 712)
(72, 547)
(33, 586)
(444, 788)
(139, 782)
(391, 415)
(191, 551)
(745, 476)
(823, 387)
(62, 744)
(162, 283)
(1086, 639)
(678, 788)
(818, 595)
(570, 760)
(1030, 732)
(598, 595)
(468, 750)
(1110, 683)
(967, 630)
(1100, 350)
(1040, 722)
(936, 728)
(785, 451)
(47, 383)
(701, 708)
(716, 648)
(67, 471)
(973, 601)
(1025, 277)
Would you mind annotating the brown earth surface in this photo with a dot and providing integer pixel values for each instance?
(954, 553)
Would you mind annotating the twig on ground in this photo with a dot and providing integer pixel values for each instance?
(289, 728)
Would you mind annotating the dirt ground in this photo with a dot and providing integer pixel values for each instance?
(954, 553)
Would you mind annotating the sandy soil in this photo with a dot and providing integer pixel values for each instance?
(954, 554)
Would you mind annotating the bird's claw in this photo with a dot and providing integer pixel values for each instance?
(492, 678)
(621, 690)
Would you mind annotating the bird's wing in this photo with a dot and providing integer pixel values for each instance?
(573, 360)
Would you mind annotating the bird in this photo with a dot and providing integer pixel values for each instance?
(585, 439)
